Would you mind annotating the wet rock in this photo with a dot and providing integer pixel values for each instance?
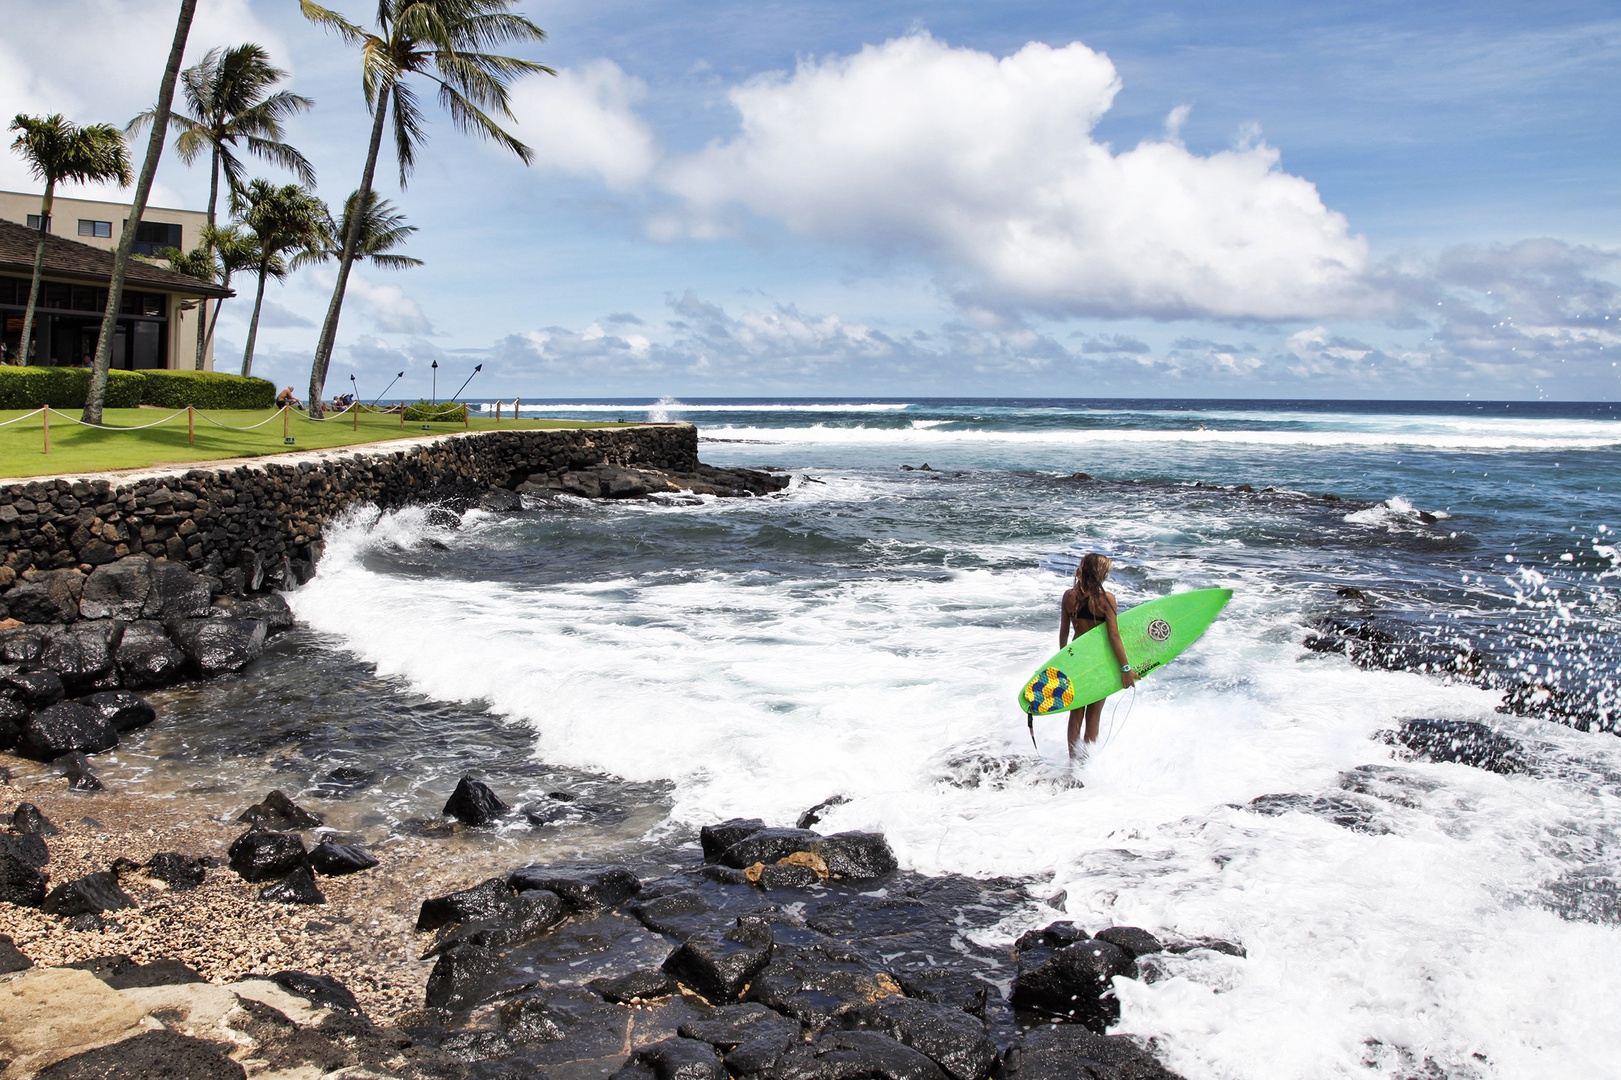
(1347, 812)
(269, 608)
(767, 846)
(812, 983)
(82, 654)
(473, 803)
(29, 848)
(500, 501)
(118, 590)
(1067, 1052)
(1227, 948)
(298, 887)
(34, 687)
(177, 593)
(335, 859)
(259, 854)
(1075, 983)
(856, 855)
(1348, 592)
(345, 779)
(1465, 742)
(786, 876)
(21, 882)
(954, 989)
(146, 658)
(152, 1054)
(750, 1036)
(463, 976)
(180, 872)
(12, 958)
(680, 913)
(277, 812)
(13, 715)
(583, 888)
(1052, 936)
(50, 596)
(322, 991)
(219, 646)
(814, 814)
(93, 893)
(720, 966)
(523, 917)
(724, 875)
(953, 1040)
(22, 644)
(715, 839)
(76, 768)
(486, 900)
(644, 985)
(851, 1054)
(63, 728)
(28, 821)
(675, 1059)
(1134, 941)
(120, 708)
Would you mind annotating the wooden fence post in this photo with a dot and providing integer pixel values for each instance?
(191, 425)
(355, 408)
(286, 422)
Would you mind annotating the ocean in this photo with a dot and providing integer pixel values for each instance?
(864, 634)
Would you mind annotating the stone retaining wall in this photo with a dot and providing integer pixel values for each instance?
(264, 518)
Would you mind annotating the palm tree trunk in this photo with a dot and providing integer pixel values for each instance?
(213, 322)
(97, 393)
(204, 330)
(253, 323)
(351, 238)
(39, 266)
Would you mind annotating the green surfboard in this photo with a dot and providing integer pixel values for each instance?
(1154, 633)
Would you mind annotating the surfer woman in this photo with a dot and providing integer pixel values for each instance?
(1084, 607)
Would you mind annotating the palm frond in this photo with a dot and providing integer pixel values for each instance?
(328, 19)
(279, 153)
(408, 129)
(470, 119)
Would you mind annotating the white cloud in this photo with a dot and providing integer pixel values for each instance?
(582, 122)
(987, 167)
(390, 307)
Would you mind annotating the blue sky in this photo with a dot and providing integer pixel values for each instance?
(824, 198)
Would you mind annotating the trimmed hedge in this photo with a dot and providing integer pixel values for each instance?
(422, 412)
(206, 390)
(65, 388)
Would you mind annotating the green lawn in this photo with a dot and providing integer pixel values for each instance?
(79, 449)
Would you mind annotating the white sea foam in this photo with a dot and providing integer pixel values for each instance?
(1395, 513)
(757, 695)
(672, 405)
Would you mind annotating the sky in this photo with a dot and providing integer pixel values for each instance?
(1317, 199)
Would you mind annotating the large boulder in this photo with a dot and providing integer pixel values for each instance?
(22, 644)
(952, 1039)
(583, 888)
(1073, 983)
(717, 838)
(83, 654)
(865, 1054)
(336, 859)
(91, 894)
(259, 854)
(812, 983)
(686, 1059)
(219, 646)
(269, 608)
(462, 977)
(751, 1036)
(486, 900)
(33, 686)
(21, 883)
(767, 846)
(298, 887)
(120, 708)
(1067, 1052)
(177, 593)
(856, 855)
(146, 657)
(118, 590)
(1464, 742)
(721, 966)
(279, 813)
(473, 803)
(63, 728)
(46, 596)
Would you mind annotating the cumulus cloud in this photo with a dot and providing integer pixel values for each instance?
(582, 122)
(390, 307)
(987, 167)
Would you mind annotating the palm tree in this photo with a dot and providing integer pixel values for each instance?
(58, 150)
(229, 94)
(97, 391)
(442, 41)
(285, 221)
(382, 229)
(235, 251)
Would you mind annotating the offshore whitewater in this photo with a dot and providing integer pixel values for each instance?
(864, 635)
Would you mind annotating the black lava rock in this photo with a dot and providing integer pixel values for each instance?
(65, 727)
(473, 803)
(720, 966)
(1052, 936)
(34, 687)
(462, 977)
(146, 657)
(120, 708)
(956, 989)
(644, 985)
(335, 859)
(1075, 983)
(76, 768)
(856, 855)
(28, 821)
(12, 958)
(28, 847)
(813, 983)
(525, 916)
(583, 888)
(322, 991)
(717, 838)
(814, 814)
(219, 646)
(1132, 940)
(1465, 742)
(270, 609)
(51, 596)
(952, 1039)
(486, 900)
(788, 876)
(280, 813)
(82, 654)
(767, 846)
(177, 593)
(298, 887)
(678, 1059)
(751, 1036)
(856, 1054)
(1067, 1052)
(118, 590)
(96, 892)
(259, 854)
(180, 872)
(13, 715)
(152, 1054)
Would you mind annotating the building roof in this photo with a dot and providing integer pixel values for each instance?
(74, 261)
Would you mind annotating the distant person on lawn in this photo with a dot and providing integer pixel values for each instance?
(286, 400)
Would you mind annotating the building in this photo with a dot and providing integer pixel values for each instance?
(157, 327)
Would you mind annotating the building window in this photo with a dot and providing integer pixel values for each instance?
(33, 222)
(102, 229)
(154, 237)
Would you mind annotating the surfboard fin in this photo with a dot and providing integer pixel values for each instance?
(1030, 722)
